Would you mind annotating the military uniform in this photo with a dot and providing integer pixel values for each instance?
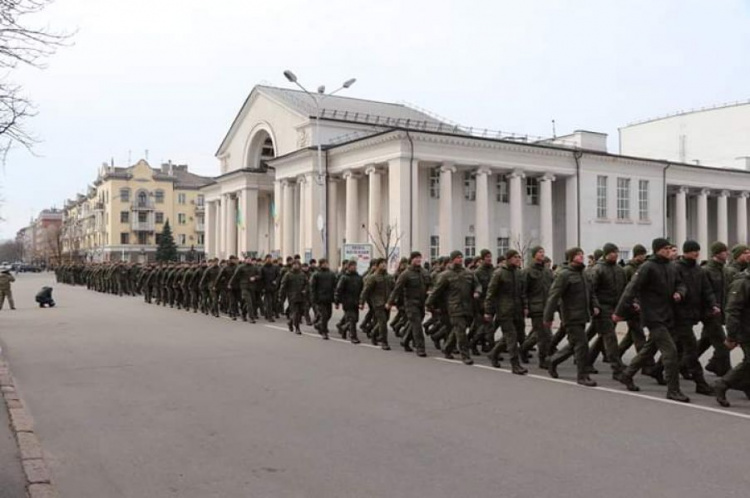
(411, 290)
(348, 289)
(6, 279)
(377, 290)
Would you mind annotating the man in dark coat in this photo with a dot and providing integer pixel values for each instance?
(348, 289)
(322, 289)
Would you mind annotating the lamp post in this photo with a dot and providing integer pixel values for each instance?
(322, 176)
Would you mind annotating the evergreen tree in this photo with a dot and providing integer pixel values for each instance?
(167, 250)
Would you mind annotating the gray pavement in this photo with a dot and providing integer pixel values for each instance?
(12, 479)
(132, 400)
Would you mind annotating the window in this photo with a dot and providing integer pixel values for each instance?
(159, 197)
(643, 200)
(623, 198)
(159, 217)
(503, 244)
(201, 239)
(142, 217)
(125, 238)
(200, 200)
(157, 239)
(624, 255)
(470, 247)
(502, 189)
(434, 247)
(470, 186)
(181, 218)
(532, 191)
(601, 197)
(181, 198)
(143, 238)
(182, 239)
(435, 183)
(142, 199)
(125, 194)
(124, 216)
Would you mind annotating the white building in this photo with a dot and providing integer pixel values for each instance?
(443, 187)
(715, 136)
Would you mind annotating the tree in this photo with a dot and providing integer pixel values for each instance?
(523, 245)
(167, 250)
(21, 44)
(386, 240)
(11, 250)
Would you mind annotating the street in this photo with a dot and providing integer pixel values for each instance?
(135, 400)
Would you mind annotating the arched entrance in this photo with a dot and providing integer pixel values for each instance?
(260, 150)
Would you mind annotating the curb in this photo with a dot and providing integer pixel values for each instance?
(38, 479)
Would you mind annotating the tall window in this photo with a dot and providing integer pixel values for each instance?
(181, 198)
(142, 217)
(142, 199)
(159, 197)
(159, 217)
(182, 239)
(623, 198)
(643, 200)
(201, 239)
(125, 194)
(181, 218)
(470, 186)
(601, 197)
(124, 238)
(143, 238)
(532, 191)
(124, 216)
(502, 189)
(435, 183)
(434, 247)
(503, 244)
(200, 200)
(470, 247)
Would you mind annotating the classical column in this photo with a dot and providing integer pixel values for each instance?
(516, 208)
(545, 207)
(722, 219)
(375, 201)
(219, 228)
(352, 208)
(741, 218)
(287, 225)
(446, 209)
(482, 217)
(303, 187)
(703, 219)
(680, 216)
(233, 205)
(249, 209)
(332, 225)
(209, 228)
(400, 203)
(571, 212)
(275, 213)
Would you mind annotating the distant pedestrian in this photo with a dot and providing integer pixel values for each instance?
(5, 292)
(44, 297)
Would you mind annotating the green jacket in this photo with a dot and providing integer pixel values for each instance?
(505, 295)
(377, 289)
(571, 291)
(457, 286)
(738, 309)
(537, 282)
(411, 288)
(294, 287)
(246, 277)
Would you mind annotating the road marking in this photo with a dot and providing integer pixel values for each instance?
(607, 389)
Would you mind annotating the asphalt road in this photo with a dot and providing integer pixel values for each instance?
(12, 479)
(132, 400)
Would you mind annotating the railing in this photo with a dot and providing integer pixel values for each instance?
(143, 205)
(200, 227)
(142, 226)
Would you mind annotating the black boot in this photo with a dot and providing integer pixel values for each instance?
(494, 361)
(720, 390)
(585, 380)
(677, 395)
(516, 368)
(627, 380)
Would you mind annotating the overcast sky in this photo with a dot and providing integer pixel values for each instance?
(168, 76)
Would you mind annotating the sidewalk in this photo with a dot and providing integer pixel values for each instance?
(12, 479)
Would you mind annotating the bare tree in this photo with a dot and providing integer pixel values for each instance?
(385, 239)
(11, 250)
(523, 245)
(21, 44)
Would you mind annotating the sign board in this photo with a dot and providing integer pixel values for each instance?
(308, 256)
(361, 253)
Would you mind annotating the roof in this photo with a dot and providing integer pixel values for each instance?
(186, 179)
(690, 111)
(301, 103)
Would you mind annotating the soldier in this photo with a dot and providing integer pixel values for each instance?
(294, 288)
(230, 294)
(570, 290)
(270, 278)
(6, 279)
(482, 332)
(411, 290)
(376, 291)
(608, 283)
(348, 290)
(738, 333)
(505, 300)
(241, 283)
(713, 325)
(635, 335)
(537, 282)
(460, 288)
(740, 257)
(322, 289)
(657, 287)
(208, 287)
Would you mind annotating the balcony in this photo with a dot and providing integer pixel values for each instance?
(200, 227)
(200, 207)
(142, 226)
(142, 205)
(99, 206)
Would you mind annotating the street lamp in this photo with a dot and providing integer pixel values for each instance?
(322, 176)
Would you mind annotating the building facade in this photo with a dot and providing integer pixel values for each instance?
(714, 136)
(390, 172)
(123, 213)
